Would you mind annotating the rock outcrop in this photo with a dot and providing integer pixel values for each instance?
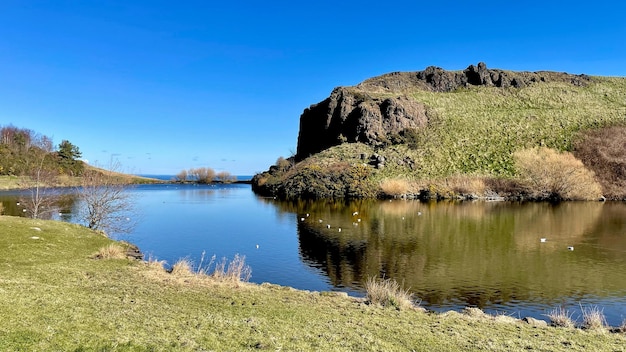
(347, 116)
(358, 114)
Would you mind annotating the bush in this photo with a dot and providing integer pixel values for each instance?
(550, 175)
(387, 293)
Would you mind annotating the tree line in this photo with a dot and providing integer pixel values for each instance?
(22, 151)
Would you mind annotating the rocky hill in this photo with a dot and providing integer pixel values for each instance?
(438, 133)
(354, 114)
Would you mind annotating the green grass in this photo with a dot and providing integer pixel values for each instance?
(55, 296)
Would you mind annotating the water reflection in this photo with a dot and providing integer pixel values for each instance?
(487, 255)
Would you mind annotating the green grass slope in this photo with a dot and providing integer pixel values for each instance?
(54, 296)
(476, 130)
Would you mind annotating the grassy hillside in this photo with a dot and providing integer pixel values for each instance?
(475, 131)
(17, 182)
(55, 295)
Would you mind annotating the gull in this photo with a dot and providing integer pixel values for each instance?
(340, 229)
(327, 226)
(355, 213)
(543, 239)
(301, 219)
(570, 248)
(257, 246)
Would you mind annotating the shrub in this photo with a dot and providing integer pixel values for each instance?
(550, 175)
(387, 293)
(561, 317)
(593, 318)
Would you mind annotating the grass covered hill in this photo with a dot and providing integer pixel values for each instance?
(64, 288)
(438, 133)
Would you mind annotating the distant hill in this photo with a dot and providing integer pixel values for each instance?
(434, 127)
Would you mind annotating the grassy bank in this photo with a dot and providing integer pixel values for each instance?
(56, 296)
(18, 182)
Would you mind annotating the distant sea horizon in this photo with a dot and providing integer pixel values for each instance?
(171, 177)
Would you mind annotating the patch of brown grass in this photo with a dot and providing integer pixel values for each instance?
(394, 187)
(561, 317)
(551, 175)
(593, 318)
(387, 293)
(604, 151)
(183, 268)
(111, 251)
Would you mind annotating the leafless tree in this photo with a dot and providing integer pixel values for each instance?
(106, 204)
(39, 181)
(181, 176)
(225, 177)
(202, 174)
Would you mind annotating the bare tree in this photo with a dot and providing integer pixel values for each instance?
(39, 181)
(225, 177)
(181, 176)
(106, 203)
(202, 174)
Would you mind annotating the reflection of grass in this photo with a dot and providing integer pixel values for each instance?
(435, 253)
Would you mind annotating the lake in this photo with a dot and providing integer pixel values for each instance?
(449, 254)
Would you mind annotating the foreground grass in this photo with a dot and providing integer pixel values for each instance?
(55, 296)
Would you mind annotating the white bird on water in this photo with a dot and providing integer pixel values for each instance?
(570, 248)
(257, 246)
(543, 239)
(340, 229)
(327, 226)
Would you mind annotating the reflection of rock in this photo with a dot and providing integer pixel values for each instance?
(342, 262)
(464, 254)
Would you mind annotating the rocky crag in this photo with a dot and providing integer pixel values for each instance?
(352, 114)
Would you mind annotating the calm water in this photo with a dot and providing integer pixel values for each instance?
(450, 254)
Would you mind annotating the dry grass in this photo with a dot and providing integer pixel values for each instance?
(552, 175)
(183, 268)
(561, 317)
(622, 327)
(604, 152)
(394, 187)
(593, 318)
(112, 251)
(235, 270)
(387, 293)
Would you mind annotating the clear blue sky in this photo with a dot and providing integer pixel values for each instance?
(168, 85)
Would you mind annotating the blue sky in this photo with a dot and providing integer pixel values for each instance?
(163, 86)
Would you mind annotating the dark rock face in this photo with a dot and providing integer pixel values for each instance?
(352, 115)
